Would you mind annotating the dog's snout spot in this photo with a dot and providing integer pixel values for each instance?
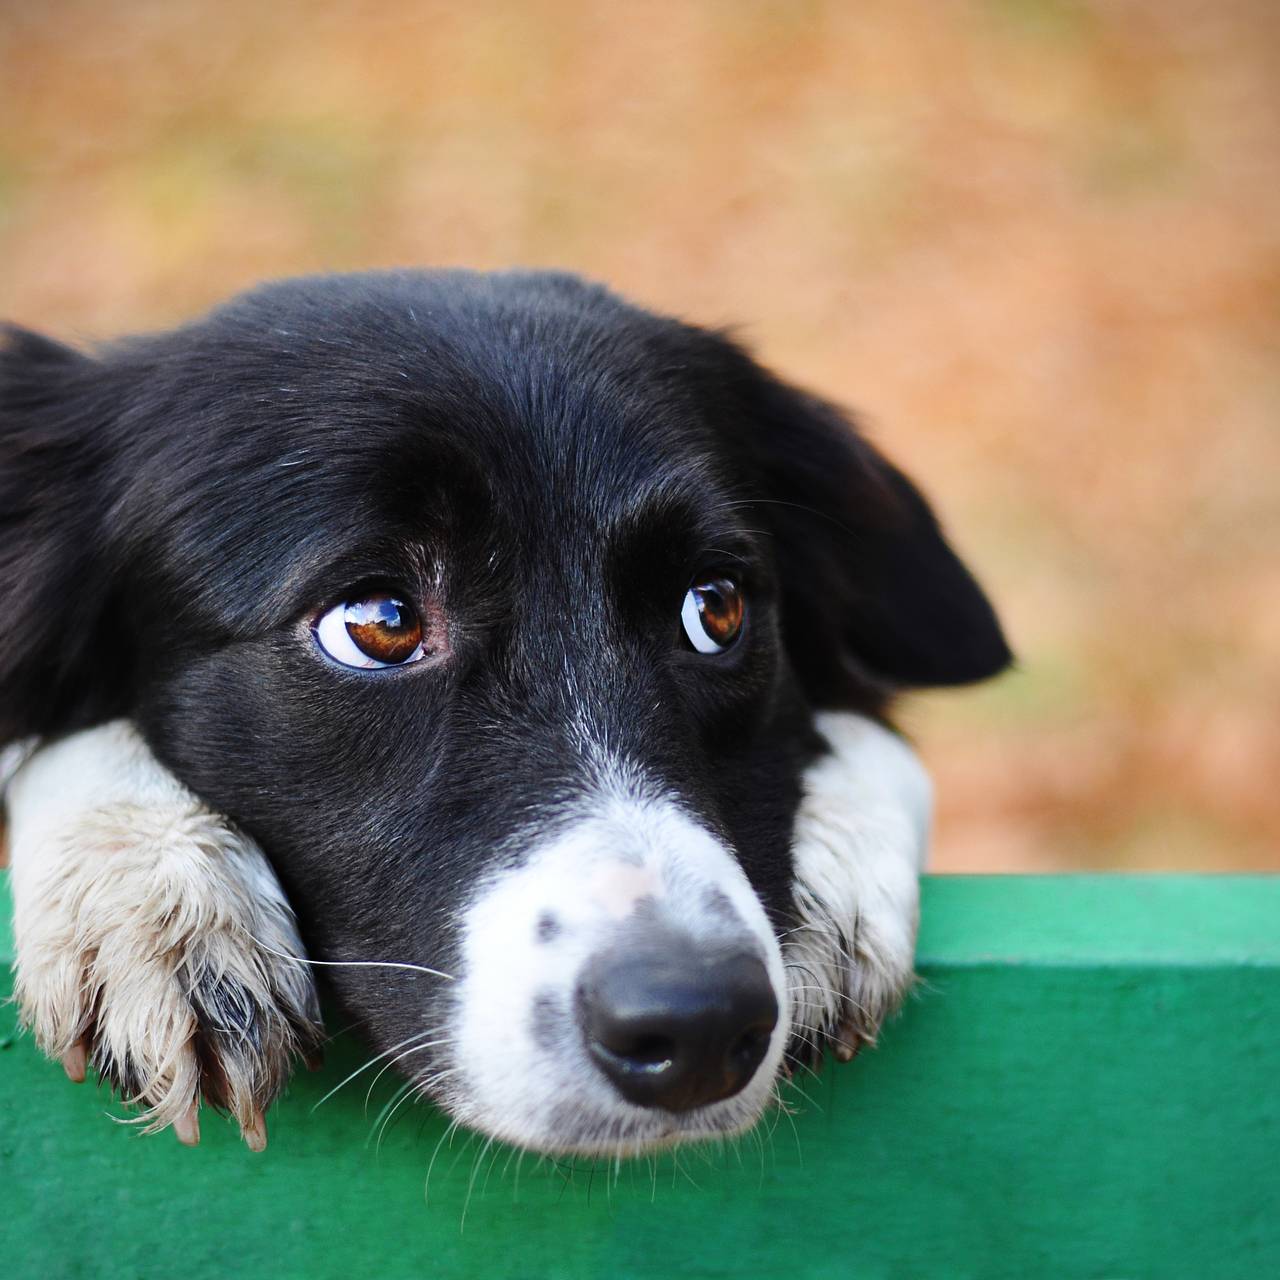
(546, 1019)
(549, 927)
(646, 908)
(715, 902)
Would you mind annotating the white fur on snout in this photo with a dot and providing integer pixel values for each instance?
(139, 918)
(523, 1072)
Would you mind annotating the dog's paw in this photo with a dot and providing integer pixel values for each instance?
(153, 940)
(861, 836)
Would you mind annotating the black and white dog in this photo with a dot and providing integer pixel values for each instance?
(545, 645)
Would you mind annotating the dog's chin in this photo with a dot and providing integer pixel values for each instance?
(618, 1130)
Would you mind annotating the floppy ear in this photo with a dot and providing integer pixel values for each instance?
(59, 665)
(871, 591)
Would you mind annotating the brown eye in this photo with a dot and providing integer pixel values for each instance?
(712, 614)
(377, 630)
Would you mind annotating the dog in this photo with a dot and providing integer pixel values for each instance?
(537, 651)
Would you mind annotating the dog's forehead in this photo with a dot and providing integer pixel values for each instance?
(306, 428)
(575, 385)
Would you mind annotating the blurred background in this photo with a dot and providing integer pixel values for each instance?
(1036, 243)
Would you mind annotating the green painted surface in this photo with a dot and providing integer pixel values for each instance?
(1088, 1084)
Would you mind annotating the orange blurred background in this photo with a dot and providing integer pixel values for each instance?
(1036, 242)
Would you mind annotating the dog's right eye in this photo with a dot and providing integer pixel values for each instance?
(376, 630)
(712, 614)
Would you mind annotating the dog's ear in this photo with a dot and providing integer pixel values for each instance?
(59, 667)
(871, 591)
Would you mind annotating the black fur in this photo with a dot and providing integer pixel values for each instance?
(543, 463)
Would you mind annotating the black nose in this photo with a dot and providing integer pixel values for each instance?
(674, 1027)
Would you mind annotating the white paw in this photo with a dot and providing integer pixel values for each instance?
(860, 841)
(153, 938)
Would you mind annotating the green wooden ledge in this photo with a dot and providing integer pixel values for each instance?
(1087, 1084)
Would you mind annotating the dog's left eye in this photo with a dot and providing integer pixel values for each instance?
(712, 614)
(377, 630)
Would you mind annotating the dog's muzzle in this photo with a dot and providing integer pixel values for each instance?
(622, 989)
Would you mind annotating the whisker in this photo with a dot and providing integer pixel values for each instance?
(417, 1048)
(406, 1095)
(394, 1101)
(365, 1067)
(785, 1110)
(341, 1031)
(447, 1136)
(488, 1173)
(356, 964)
(797, 506)
(800, 928)
(792, 1084)
(797, 1034)
(720, 551)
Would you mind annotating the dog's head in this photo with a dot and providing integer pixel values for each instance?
(498, 611)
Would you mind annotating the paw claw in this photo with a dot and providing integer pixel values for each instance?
(75, 1062)
(255, 1132)
(846, 1042)
(186, 1127)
